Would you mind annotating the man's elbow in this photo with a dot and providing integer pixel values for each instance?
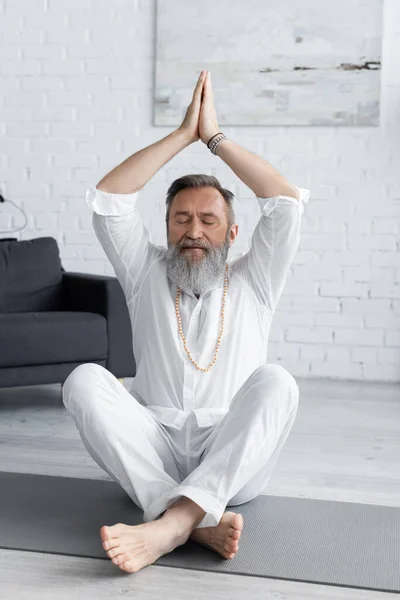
(292, 191)
(283, 189)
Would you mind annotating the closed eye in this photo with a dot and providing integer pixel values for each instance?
(205, 222)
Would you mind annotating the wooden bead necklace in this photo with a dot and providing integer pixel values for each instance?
(221, 330)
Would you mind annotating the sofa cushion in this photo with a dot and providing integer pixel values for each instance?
(30, 275)
(44, 338)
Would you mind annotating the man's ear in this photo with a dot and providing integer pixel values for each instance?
(235, 230)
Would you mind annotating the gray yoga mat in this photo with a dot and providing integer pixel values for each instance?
(314, 541)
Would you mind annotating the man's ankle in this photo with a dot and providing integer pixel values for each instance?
(185, 512)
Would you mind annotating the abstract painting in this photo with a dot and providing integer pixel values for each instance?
(292, 62)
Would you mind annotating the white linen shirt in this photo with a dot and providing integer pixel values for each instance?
(166, 381)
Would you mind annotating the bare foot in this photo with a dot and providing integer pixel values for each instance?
(224, 538)
(132, 547)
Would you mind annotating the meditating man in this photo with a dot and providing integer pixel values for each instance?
(206, 416)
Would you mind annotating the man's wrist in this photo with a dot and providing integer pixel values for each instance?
(183, 136)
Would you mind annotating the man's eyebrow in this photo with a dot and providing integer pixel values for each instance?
(202, 214)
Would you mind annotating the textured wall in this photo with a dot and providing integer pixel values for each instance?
(76, 98)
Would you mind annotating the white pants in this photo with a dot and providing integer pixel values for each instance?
(226, 464)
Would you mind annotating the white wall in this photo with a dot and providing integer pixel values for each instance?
(76, 100)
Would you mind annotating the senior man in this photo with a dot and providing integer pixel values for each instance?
(206, 416)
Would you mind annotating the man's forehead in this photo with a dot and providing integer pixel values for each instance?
(204, 202)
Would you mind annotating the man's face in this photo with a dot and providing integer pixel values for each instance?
(198, 238)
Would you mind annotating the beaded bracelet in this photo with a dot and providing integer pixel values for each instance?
(216, 141)
(211, 138)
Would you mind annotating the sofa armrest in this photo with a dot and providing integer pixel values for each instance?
(103, 295)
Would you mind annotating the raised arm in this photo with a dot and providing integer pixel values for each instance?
(132, 174)
(260, 176)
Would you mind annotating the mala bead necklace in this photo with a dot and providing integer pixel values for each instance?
(221, 330)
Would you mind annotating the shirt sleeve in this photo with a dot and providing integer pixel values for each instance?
(274, 244)
(124, 238)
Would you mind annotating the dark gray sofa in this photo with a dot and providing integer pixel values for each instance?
(51, 320)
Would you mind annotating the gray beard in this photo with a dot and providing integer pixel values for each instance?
(196, 273)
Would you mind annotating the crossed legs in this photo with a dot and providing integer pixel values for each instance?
(127, 442)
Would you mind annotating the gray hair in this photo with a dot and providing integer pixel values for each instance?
(200, 181)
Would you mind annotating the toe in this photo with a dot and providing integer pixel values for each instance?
(109, 532)
(111, 543)
(128, 566)
(122, 558)
(237, 522)
(229, 553)
(104, 532)
(114, 552)
(231, 546)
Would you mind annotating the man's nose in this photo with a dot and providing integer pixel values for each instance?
(194, 231)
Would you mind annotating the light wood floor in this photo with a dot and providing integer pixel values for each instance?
(344, 445)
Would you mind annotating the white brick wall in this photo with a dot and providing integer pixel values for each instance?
(76, 100)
